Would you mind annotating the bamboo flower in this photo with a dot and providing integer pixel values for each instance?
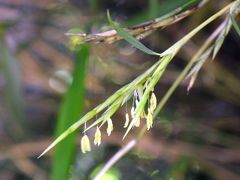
(109, 126)
(97, 139)
(155, 72)
(149, 119)
(85, 144)
(153, 102)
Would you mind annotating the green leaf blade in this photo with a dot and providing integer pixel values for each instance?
(130, 39)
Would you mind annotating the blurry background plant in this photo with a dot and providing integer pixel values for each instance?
(195, 136)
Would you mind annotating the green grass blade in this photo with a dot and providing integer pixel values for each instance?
(69, 113)
(129, 38)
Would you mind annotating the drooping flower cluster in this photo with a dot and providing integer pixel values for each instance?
(85, 143)
(136, 120)
(149, 116)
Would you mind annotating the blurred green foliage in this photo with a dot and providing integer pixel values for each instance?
(10, 68)
(70, 111)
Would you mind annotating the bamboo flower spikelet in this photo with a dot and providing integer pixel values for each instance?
(153, 102)
(85, 144)
(149, 119)
(109, 126)
(97, 138)
(139, 92)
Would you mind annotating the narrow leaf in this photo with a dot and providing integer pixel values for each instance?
(129, 38)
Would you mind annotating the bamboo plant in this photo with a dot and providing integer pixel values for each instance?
(140, 91)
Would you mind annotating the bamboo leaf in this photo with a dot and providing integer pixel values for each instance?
(129, 38)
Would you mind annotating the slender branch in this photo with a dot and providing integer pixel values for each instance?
(124, 150)
(144, 29)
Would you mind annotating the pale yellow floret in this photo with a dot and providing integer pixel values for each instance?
(149, 119)
(109, 126)
(126, 121)
(97, 138)
(153, 102)
(85, 144)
